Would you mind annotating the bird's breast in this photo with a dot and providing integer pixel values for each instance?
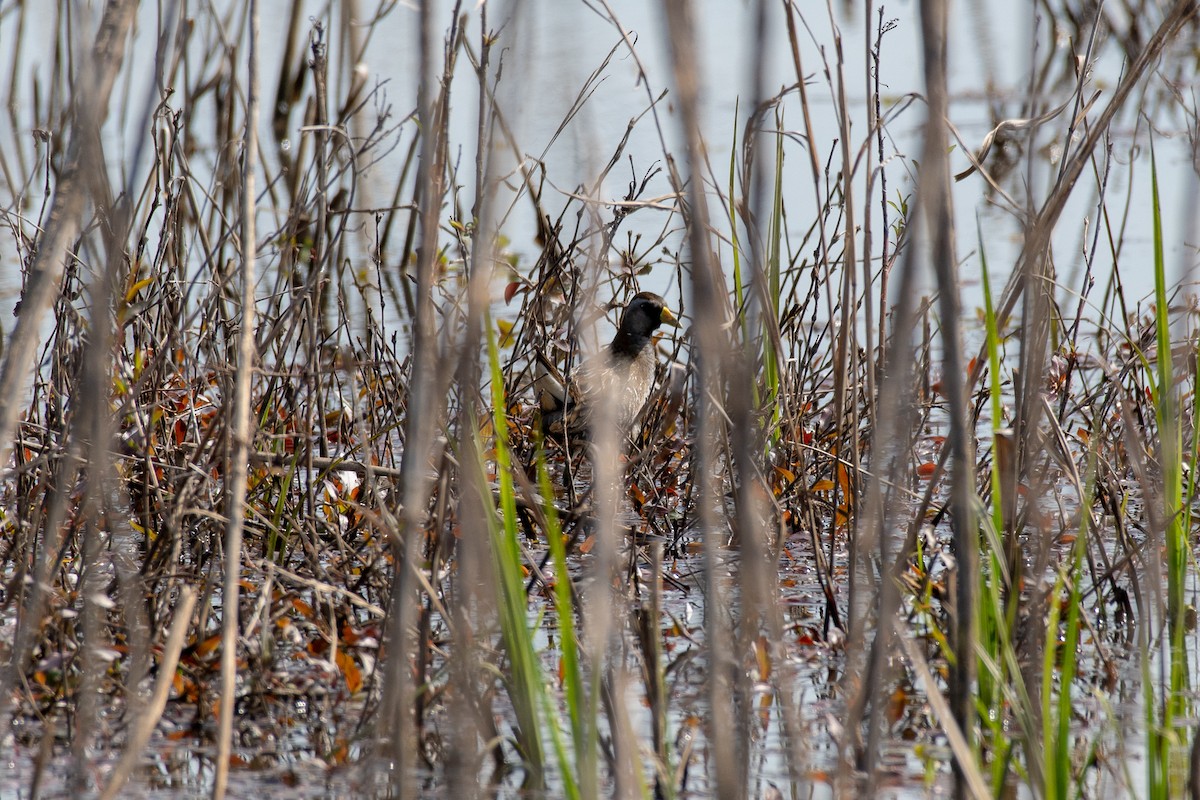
(622, 384)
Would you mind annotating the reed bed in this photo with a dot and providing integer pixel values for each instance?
(277, 501)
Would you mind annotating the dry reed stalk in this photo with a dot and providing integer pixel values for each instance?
(398, 730)
(237, 467)
(933, 201)
(712, 352)
(162, 688)
(47, 269)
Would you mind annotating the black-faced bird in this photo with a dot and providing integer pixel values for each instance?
(622, 374)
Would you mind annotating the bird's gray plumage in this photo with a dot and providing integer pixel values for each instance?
(622, 374)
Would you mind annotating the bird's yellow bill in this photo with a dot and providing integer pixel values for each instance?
(667, 317)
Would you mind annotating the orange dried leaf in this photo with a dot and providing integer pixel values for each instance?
(208, 646)
(340, 754)
(350, 671)
(843, 476)
(762, 654)
(896, 705)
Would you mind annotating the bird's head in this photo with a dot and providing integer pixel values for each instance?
(645, 313)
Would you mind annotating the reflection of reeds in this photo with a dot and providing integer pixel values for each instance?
(340, 446)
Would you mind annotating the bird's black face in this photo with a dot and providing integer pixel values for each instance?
(645, 313)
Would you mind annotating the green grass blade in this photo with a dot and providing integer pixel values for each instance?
(1170, 460)
(526, 684)
(583, 729)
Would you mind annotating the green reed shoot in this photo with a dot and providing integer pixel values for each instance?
(582, 707)
(1170, 454)
(526, 684)
(771, 306)
(1056, 712)
(993, 628)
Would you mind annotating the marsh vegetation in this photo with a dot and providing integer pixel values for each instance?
(277, 506)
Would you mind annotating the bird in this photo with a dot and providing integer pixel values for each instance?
(622, 374)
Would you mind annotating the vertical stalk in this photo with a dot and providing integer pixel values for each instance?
(708, 302)
(1170, 454)
(397, 726)
(238, 465)
(935, 193)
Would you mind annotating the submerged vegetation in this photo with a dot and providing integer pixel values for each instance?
(277, 500)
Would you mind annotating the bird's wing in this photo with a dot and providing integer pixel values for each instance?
(550, 386)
